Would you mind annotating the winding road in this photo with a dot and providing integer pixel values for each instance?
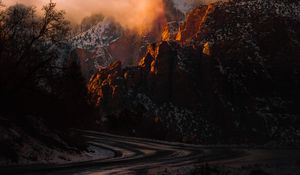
(144, 156)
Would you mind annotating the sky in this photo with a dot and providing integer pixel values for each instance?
(132, 14)
(76, 9)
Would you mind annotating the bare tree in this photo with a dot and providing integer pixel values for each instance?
(29, 43)
(1, 24)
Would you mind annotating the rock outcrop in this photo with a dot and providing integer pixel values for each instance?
(232, 74)
(107, 41)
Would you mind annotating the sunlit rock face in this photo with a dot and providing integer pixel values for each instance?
(160, 73)
(107, 86)
(194, 22)
(235, 66)
(109, 41)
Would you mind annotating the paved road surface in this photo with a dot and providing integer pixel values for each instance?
(143, 156)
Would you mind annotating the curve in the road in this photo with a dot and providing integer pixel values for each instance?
(133, 156)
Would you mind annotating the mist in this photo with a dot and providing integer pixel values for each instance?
(137, 15)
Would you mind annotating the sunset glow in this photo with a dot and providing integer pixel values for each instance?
(138, 15)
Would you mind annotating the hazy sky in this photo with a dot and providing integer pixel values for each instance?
(76, 9)
(132, 14)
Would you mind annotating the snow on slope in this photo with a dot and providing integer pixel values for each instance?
(91, 48)
(97, 40)
(102, 34)
(38, 144)
(102, 44)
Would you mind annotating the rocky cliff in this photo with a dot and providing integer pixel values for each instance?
(107, 41)
(230, 74)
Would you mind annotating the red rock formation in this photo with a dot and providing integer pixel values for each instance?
(232, 66)
(194, 21)
(106, 87)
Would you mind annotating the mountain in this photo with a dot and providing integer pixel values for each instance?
(230, 74)
(108, 41)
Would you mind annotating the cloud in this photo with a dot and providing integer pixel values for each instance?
(136, 15)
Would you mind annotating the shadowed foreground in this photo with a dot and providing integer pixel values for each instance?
(142, 156)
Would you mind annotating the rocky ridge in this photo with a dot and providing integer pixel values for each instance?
(107, 41)
(231, 76)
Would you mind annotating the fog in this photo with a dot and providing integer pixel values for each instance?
(136, 15)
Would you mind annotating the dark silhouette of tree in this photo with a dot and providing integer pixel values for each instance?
(29, 43)
(30, 49)
(36, 76)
